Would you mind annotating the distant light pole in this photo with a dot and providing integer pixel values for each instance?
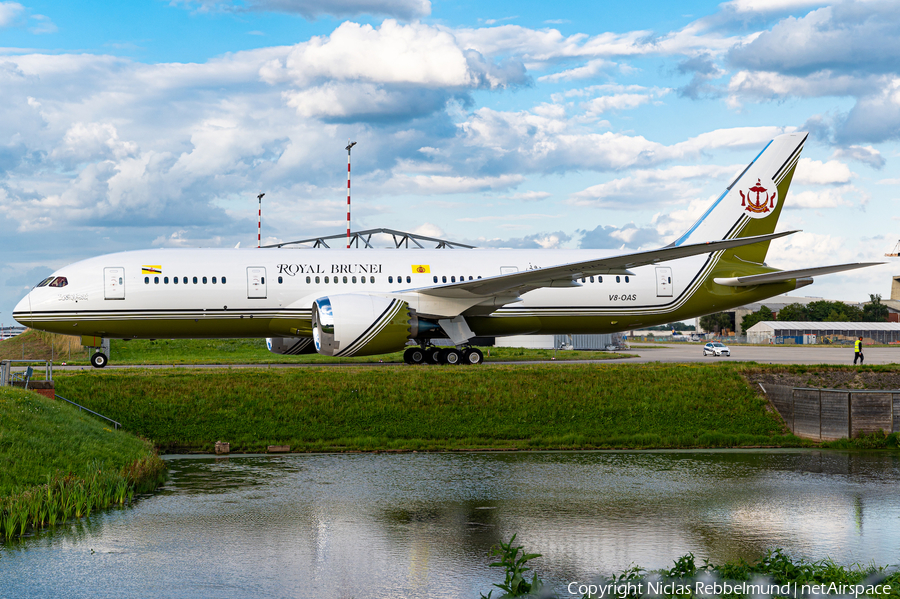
(349, 146)
(259, 222)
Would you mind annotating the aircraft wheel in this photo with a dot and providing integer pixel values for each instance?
(433, 355)
(451, 356)
(414, 355)
(99, 360)
(472, 355)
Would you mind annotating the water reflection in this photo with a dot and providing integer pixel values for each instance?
(422, 525)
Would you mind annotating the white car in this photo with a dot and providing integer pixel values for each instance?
(714, 348)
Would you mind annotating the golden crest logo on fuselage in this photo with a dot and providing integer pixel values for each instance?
(152, 269)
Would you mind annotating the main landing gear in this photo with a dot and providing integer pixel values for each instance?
(443, 355)
(99, 360)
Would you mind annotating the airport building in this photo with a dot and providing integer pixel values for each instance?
(777, 332)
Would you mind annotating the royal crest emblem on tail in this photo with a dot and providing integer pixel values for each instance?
(762, 202)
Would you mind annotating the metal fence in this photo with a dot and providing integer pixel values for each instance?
(8, 368)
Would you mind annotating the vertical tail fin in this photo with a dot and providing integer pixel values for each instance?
(752, 203)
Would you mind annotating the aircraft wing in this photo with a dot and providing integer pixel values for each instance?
(787, 275)
(565, 275)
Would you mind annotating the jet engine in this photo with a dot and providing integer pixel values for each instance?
(291, 346)
(361, 325)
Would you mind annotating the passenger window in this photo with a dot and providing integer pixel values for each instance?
(166, 280)
(399, 278)
(618, 280)
(670, 280)
(479, 276)
(262, 280)
(156, 280)
(354, 279)
(592, 279)
(452, 279)
(280, 279)
(214, 280)
(599, 279)
(317, 280)
(146, 280)
(345, 279)
(204, 281)
(626, 279)
(362, 279)
(308, 280)
(470, 277)
(195, 280)
(223, 280)
(175, 280)
(444, 279)
(408, 279)
(371, 279)
(582, 279)
(184, 280)
(390, 279)
(435, 278)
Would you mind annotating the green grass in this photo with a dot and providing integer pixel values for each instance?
(57, 462)
(253, 351)
(41, 436)
(435, 408)
(37, 345)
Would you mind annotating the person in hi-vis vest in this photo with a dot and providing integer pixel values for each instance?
(857, 347)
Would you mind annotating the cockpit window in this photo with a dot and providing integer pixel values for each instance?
(45, 281)
(59, 282)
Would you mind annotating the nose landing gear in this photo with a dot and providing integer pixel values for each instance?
(99, 360)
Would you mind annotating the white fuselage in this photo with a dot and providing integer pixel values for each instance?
(170, 293)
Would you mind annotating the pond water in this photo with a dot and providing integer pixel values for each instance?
(422, 525)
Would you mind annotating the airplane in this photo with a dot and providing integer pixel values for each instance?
(377, 301)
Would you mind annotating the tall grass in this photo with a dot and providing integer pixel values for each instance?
(799, 577)
(62, 345)
(434, 408)
(57, 463)
(64, 497)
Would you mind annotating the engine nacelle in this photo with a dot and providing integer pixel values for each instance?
(361, 325)
(290, 346)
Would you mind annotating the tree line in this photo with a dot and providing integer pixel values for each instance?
(820, 311)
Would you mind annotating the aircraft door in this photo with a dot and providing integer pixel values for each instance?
(256, 282)
(114, 283)
(663, 281)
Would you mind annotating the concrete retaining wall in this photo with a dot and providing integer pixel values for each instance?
(830, 414)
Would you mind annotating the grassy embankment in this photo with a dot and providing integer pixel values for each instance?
(45, 346)
(57, 463)
(425, 408)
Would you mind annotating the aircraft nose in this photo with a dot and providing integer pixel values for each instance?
(22, 311)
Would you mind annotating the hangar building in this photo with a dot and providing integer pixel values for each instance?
(774, 331)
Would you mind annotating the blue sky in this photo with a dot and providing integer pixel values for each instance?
(503, 124)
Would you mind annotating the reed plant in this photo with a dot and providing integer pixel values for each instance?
(775, 567)
(63, 497)
(57, 463)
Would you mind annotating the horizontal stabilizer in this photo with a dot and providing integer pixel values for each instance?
(787, 275)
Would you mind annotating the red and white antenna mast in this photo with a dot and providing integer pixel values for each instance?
(349, 145)
(259, 222)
